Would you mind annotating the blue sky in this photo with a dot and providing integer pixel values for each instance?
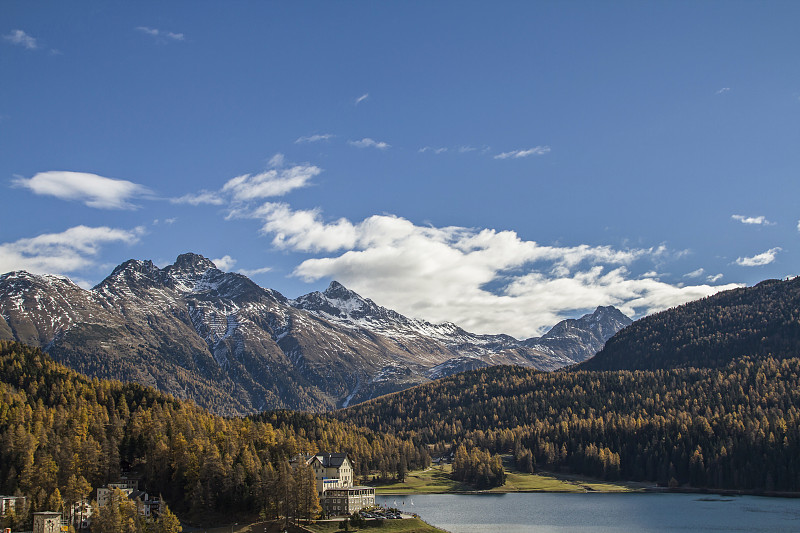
(498, 165)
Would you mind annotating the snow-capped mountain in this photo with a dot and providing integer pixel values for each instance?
(194, 331)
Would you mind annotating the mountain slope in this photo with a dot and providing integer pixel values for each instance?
(196, 332)
(754, 321)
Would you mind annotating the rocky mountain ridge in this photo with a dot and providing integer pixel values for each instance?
(197, 332)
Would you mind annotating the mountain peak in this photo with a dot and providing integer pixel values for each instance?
(134, 265)
(609, 312)
(190, 262)
(337, 291)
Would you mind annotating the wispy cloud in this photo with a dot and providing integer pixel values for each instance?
(20, 38)
(715, 278)
(361, 98)
(723, 90)
(314, 138)
(69, 251)
(160, 34)
(695, 273)
(270, 183)
(248, 187)
(761, 259)
(759, 220)
(440, 150)
(90, 189)
(516, 154)
(454, 149)
(199, 198)
(254, 272)
(366, 142)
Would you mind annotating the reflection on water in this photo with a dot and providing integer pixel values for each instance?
(600, 513)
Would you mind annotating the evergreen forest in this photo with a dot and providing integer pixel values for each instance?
(736, 427)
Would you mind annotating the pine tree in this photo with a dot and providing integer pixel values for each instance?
(167, 522)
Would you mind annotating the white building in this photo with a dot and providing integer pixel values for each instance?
(11, 503)
(145, 505)
(334, 473)
(47, 522)
(104, 493)
(332, 470)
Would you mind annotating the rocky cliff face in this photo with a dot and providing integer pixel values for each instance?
(194, 331)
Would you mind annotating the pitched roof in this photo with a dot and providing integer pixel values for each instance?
(329, 460)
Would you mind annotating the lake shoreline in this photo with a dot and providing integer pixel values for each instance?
(665, 512)
(436, 480)
(642, 490)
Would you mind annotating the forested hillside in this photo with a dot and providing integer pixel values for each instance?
(756, 321)
(735, 427)
(62, 434)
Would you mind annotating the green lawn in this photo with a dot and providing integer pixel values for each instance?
(433, 480)
(436, 479)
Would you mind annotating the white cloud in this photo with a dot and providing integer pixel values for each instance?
(20, 38)
(431, 149)
(160, 34)
(723, 90)
(303, 230)
(91, 189)
(248, 187)
(761, 259)
(366, 142)
(277, 160)
(516, 154)
(58, 253)
(759, 220)
(695, 273)
(362, 98)
(715, 278)
(198, 198)
(254, 272)
(798, 225)
(170, 220)
(484, 280)
(225, 262)
(270, 183)
(315, 138)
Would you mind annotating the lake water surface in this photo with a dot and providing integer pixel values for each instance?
(600, 513)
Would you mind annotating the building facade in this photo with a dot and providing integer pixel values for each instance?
(344, 501)
(11, 503)
(332, 470)
(335, 474)
(46, 522)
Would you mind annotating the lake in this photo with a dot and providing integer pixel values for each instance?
(600, 513)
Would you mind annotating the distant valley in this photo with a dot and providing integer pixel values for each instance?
(196, 332)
